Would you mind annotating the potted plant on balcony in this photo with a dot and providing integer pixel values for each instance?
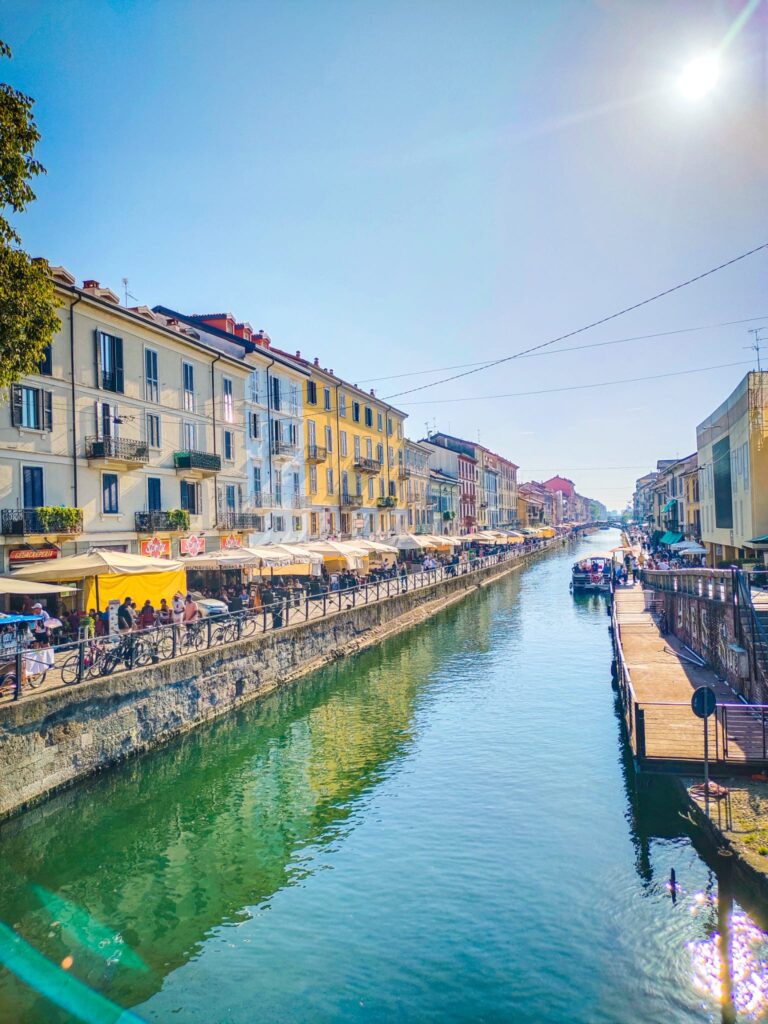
(61, 518)
(178, 519)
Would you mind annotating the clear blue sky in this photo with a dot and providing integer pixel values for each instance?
(398, 186)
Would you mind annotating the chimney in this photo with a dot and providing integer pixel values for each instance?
(317, 362)
(90, 285)
(262, 339)
(298, 354)
(244, 331)
(373, 393)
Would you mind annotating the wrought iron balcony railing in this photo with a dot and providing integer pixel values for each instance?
(367, 465)
(239, 521)
(283, 448)
(207, 462)
(155, 519)
(316, 453)
(19, 522)
(387, 502)
(351, 500)
(116, 449)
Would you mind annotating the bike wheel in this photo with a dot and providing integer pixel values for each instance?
(36, 679)
(164, 646)
(247, 625)
(69, 670)
(8, 685)
(143, 654)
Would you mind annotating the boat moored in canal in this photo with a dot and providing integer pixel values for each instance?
(592, 575)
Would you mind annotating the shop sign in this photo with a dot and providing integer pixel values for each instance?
(192, 545)
(18, 555)
(359, 522)
(231, 542)
(156, 548)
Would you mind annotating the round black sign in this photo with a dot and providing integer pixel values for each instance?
(703, 702)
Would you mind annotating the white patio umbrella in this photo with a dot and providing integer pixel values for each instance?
(97, 562)
(409, 542)
(11, 585)
(374, 545)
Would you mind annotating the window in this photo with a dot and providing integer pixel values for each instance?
(311, 392)
(358, 485)
(278, 490)
(329, 439)
(368, 416)
(297, 524)
(356, 412)
(275, 392)
(311, 434)
(370, 487)
(379, 421)
(229, 446)
(31, 407)
(343, 442)
(32, 486)
(254, 426)
(110, 498)
(356, 441)
(345, 482)
(188, 382)
(151, 382)
(45, 368)
(278, 523)
(380, 452)
(229, 400)
(313, 523)
(313, 479)
(230, 497)
(106, 420)
(392, 489)
(399, 430)
(153, 430)
(109, 355)
(391, 453)
(296, 486)
(381, 486)
(327, 399)
(188, 436)
(190, 497)
(154, 494)
(368, 448)
(329, 481)
(342, 404)
(389, 425)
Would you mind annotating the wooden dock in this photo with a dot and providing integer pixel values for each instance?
(656, 685)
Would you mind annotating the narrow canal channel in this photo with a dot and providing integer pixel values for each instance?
(443, 829)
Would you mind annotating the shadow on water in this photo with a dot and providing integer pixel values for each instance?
(167, 847)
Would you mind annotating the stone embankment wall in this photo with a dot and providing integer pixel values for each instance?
(49, 741)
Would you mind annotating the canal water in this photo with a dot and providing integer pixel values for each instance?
(443, 829)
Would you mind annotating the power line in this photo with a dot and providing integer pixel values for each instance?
(587, 327)
(573, 348)
(579, 387)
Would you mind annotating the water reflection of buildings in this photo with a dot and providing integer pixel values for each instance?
(171, 846)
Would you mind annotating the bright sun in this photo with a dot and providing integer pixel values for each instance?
(700, 76)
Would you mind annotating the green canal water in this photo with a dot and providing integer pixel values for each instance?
(443, 829)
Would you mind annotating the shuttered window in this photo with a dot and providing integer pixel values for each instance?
(31, 408)
(109, 362)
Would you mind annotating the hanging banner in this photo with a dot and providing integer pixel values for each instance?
(156, 548)
(192, 545)
(231, 542)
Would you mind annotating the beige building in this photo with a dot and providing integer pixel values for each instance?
(417, 487)
(732, 448)
(132, 433)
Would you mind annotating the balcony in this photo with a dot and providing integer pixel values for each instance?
(387, 502)
(260, 499)
(239, 521)
(155, 521)
(117, 452)
(368, 465)
(193, 463)
(315, 453)
(49, 520)
(404, 473)
(351, 500)
(283, 449)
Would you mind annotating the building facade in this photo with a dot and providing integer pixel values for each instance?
(419, 519)
(131, 436)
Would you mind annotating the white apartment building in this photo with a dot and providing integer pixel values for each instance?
(132, 434)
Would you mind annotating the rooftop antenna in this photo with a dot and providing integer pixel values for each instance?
(758, 340)
(128, 294)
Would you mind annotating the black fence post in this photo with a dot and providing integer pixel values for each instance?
(19, 673)
(209, 629)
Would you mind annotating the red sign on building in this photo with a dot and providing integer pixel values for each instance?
(192, 545)
(19, 555)
(231, 542)
(156, 548)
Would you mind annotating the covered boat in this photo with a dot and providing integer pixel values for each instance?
(592, 574)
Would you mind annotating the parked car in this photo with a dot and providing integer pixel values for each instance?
(209, 605)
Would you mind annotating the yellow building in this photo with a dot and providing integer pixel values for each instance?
(355, 467)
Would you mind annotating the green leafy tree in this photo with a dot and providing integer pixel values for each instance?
(28, 304)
